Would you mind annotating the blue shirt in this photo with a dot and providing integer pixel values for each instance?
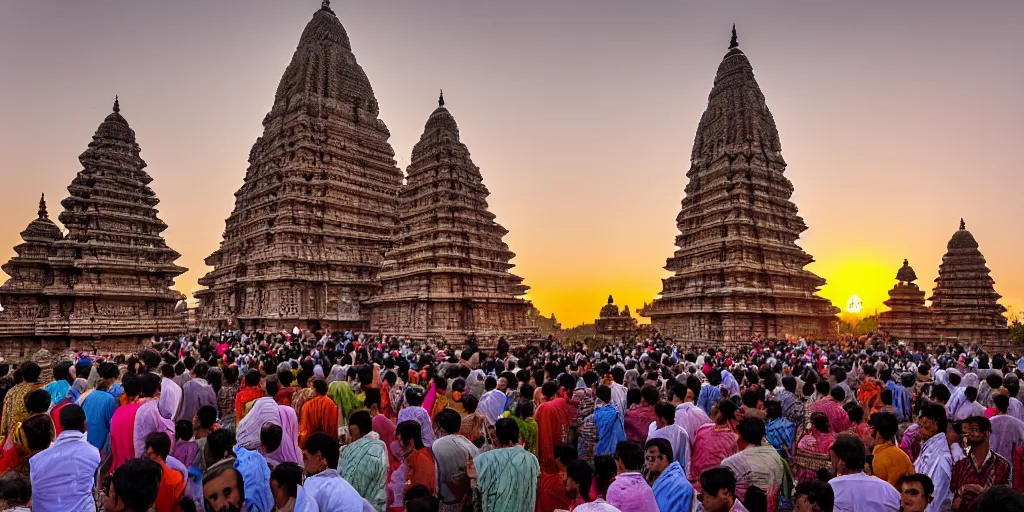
(780, 433)
(99, 407)
(57, 389)
(709, 396)
(62, 475)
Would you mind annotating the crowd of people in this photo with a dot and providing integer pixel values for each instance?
(307, 422)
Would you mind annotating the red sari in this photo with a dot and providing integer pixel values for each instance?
(553, 419)
(245, 395)
(318, 415)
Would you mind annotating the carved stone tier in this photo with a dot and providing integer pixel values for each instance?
(908, 319)
(612, 323)
(110, 277)
(965, 303)
(447, 275)
(738, 271)
(316, 211)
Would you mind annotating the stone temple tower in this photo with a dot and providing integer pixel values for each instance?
(965, 304)
(317, 207)
(738, 272)
(448, 273)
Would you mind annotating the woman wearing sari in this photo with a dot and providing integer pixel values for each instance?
(714, 442)
(811, 452)
(16, 449)
(473, 422)
(527, 425)
(341, 392)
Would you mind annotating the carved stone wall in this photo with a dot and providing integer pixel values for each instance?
(110, 276)
(738, 271)
(316, 211)
(447, 275)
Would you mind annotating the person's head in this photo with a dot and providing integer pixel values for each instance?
(976, 430)
(884, 426)
(167, 370)
(320, 453)
(789, 383)
(72, 417)
(15, 490)
(605, 470)
(183, 430)
(565, 454)
(813, 496)
(252, 378)
(37, 401)
(820, 422)
(219, 444)
(822, 387)
(320, 387)
(285, 480)
(549, 389)
(604, 394)
(953, 378)
(372, 399)
(838, 394)
(507, 432)
(272, 385)
(410, 436)
(223, 489)
(629, 456)
(751, 432)
(650, 395)
(971, 394)
(724, 411)
(108, 373)
(470, 403)
(931, 421)
(418, 498)
(854, 412)
(38, 431)
(414, 396)
(361, 424)
(271, 436)
(1000, 497)
(718, 489)
(1002, 403)
(492, 383)
(578, 479)
(659, 456)
(133, 486)
(916, 492)
(772, 409)
(158, 446)
(207, 416)
(847, 454)
(940, 393)
(30, 372)
(749, 399)
(149, 385)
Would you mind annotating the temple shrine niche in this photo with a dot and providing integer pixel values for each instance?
(964, 302)
(317, 208)
(908, 319)
(612, 323)
(448, 273)
(108, 280)
(738, 272)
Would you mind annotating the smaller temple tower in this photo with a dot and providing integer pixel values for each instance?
(965, 303)
(908, 319)
(615, 324)
(22, 295)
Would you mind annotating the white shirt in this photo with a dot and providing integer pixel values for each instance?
(62, 474)
(170, 398)
(862, 493)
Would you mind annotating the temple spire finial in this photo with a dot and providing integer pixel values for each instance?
(440, 99)
(962, 224)
(611, 300)
(117, 104)
(733, 43)
(42, 206)
(326, 5)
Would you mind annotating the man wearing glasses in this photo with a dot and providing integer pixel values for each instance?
(980, 469)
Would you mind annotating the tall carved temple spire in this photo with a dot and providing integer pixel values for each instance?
(734, 42)
(42, 207)
(908, 319)
(448, 275)
(738, 271)
(964, 302)
(317, 207)
(111, 275)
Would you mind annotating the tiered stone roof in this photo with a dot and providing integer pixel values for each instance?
(448, 273)
(612, 323)
(111, 275)
(317, 208)
(908, 319)
(964, 302)
(738, 271)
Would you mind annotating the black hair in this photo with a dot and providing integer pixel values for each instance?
(849, 449)
(566, 454)
(15, 489)
(207, 416)
(327, 447)
(137, 482)
(773, 409)
(320, 386)
(631, 454)
(469, 403)
(38, 432)
(921, 478)
(971, 393)
(854, 412)
(289, 476)
(605, 471)
(220, 442)
(886, 424)
(581, 473)
(410, 430)
(818, 493)
(983, 423)
(838, 394)
(183, 430)
(604, 393)
(663, 446)
(272, 386)
(749, 398)
(789, 383)
(37, 401)
(650, 394)
(149, 385)
(936, 413)
(448, 419)
(506, 430)
(751, 430)
(820, 422)
(160, 442)
(271, 436)
(715, 479)
(666, 412)
(1002, 402)
(108, 371)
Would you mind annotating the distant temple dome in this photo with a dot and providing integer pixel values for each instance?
(610, 309)
(906, 273)
(962, 239)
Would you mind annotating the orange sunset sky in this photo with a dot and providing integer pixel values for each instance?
(896, 119)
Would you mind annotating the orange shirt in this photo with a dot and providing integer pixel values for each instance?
(319, 414)
(890, 463)
(172, 486)
(421, 469)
